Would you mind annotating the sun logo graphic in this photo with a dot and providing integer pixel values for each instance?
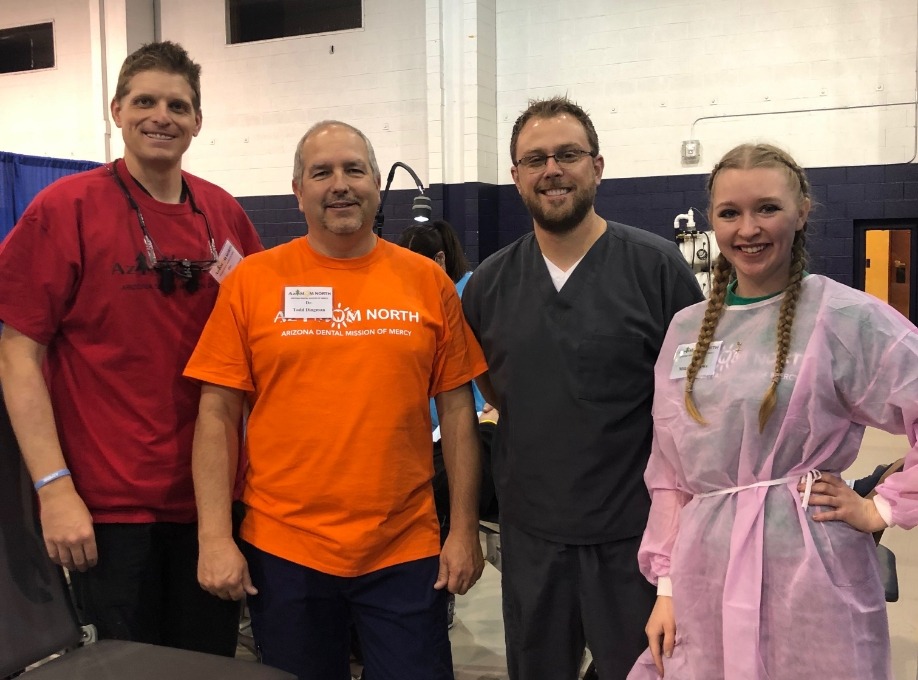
(342, 316)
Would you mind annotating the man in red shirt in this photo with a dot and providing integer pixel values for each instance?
(105, 284)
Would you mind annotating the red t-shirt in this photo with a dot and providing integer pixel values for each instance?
(73, 278)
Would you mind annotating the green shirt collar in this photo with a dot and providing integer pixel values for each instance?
(733, 299)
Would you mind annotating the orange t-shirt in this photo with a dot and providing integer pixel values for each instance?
(338, 437)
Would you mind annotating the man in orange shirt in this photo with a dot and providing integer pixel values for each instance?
(315, 335)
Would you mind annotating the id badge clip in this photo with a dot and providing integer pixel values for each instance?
(307, 302)
(683, 359)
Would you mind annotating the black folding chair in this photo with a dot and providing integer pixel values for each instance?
(865, 487)
(37, 618)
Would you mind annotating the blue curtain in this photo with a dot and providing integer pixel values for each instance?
(21, 177)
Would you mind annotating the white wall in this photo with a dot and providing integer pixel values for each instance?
(437, 84)
(259, 98)
(462, 91)
(655, 72)
(52, 112)
(64, 111)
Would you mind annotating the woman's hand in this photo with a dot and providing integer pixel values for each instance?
(844, 504)
(661, 631)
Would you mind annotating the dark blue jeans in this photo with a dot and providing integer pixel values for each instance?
(301, 619)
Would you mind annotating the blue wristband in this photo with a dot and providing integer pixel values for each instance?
(47, 479)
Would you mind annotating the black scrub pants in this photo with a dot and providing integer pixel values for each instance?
(559, 597)
(145, 588)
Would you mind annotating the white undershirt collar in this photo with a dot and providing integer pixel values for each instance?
(558, 276)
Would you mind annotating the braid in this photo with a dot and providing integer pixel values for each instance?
(785, 325)
(723, 273)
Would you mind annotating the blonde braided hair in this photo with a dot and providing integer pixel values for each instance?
(746, 157)
(785, 326)
(723, 275)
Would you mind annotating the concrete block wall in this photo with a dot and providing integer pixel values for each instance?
(278, 219)
(833, 80)
(437, 84)
(843, 196)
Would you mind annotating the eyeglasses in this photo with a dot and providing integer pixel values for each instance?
(537, 161)
(188, 271)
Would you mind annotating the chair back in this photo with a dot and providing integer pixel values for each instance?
(36, 614)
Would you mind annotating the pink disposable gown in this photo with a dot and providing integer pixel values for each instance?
(760, 590)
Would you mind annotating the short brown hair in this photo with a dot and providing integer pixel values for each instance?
(549, 108)
(164, 56)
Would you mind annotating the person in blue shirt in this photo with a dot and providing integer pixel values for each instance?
(438, 241)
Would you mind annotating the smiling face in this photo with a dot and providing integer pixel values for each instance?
(755, 214)
(157, 120)
(559, 197)
(338, 193)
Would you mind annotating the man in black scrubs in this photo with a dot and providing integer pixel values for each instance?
(571, 318)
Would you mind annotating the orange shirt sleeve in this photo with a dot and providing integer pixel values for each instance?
(459, 357)
(221, 356)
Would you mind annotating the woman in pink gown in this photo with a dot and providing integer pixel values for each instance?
(763, 557)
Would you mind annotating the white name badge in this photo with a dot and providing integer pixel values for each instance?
(684, 357)
(226, 262)
(307, 302)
